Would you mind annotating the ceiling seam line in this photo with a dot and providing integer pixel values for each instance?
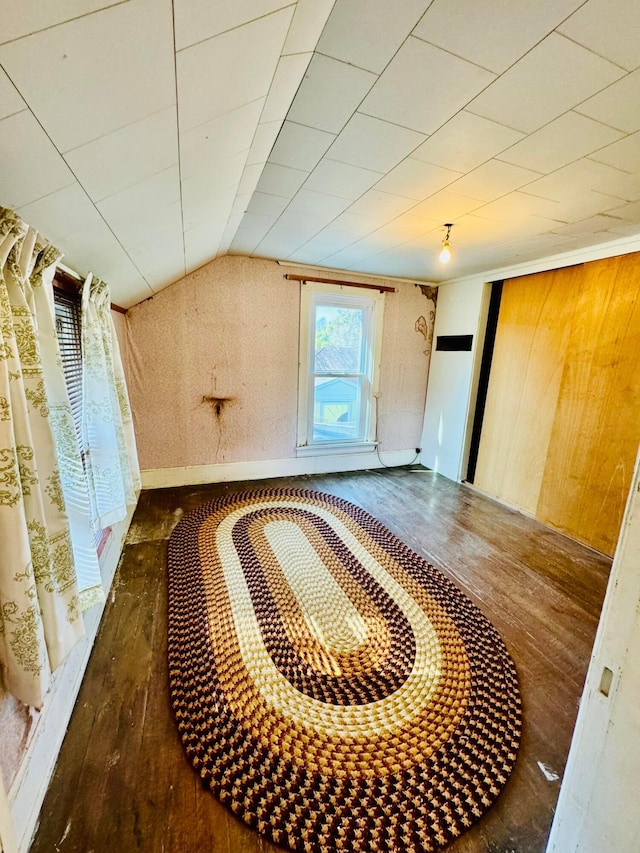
(175, 76)
(231, 29)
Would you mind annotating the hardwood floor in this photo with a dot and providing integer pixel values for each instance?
(122, 782)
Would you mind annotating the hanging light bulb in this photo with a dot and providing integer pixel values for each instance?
(445, 254)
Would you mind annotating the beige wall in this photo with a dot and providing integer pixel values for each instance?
(16, 723)
(230, 330)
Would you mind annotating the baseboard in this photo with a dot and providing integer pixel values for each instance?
(162, 478)
(30, 785)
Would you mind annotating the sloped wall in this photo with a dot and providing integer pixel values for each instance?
(230, 331)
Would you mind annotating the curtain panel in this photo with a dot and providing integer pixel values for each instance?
(40, 609)
(54, 495)
(111, 458)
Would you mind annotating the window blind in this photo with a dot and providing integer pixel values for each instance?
(67, 306)
(68, 314)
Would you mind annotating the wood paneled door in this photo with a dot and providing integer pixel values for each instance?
(562, 419)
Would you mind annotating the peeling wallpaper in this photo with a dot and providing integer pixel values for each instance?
(213, 366)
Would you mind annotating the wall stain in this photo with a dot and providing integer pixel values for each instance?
(426, 329)
(429, 291)
(216, 403)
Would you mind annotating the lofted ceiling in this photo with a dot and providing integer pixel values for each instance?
(147, 137)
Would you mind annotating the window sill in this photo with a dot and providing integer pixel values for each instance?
(336, 448)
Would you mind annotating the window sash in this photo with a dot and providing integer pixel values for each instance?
(314, 297)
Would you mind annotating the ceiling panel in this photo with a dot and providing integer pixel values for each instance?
(492, 179)
(621, 184)
(342, 232)
(346, 229)
(97, 73)
(29, 16)
(617, 105)
(373, 144)
(563, 140)
(198, 20)
(211, 191)
(263, 141)
(381, 28)
(253, 228)
(528, 94)
(417, 180)
(423, 87)
(329, 94)
(126, 285)
(122, 158)
(609, 28)
(308, 21)
(341, 179)
(30, 167)
(160, 264)
(624, 154)
(281, 180)
(519, 205)
(446, 206)
(286, 80)
(584, 204)
(299, 146)
(571, 180)
(92, 248)
(220, 138)
(466, 141)
(590, 225)
(62, 213)
(250, 178)
(267, 205)
(147, 210)
(492, 34)
(198, 242)
(10, 100)
(214, 76)
(319, 208)
(284, 238)
(381, 207)
(630, 211)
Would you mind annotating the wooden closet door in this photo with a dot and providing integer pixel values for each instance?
(596, 429)
(562, 420)
(528, 360)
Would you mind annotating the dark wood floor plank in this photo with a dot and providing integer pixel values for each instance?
(123, 782)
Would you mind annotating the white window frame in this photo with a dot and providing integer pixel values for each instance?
(312, 294)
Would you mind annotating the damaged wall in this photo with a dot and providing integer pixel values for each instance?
(229, 332)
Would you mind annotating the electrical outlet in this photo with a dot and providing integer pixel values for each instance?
(418, 450)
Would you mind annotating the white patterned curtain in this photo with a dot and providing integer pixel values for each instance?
(40, 616)
(111, 458)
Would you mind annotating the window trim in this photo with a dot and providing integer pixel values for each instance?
(312, 293)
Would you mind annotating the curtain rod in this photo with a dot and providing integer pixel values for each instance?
(383, 288)
(69, 280)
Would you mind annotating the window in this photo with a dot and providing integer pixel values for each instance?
(68, 314)
(340, 337)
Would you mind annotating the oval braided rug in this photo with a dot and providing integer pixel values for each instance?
(330, 686)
